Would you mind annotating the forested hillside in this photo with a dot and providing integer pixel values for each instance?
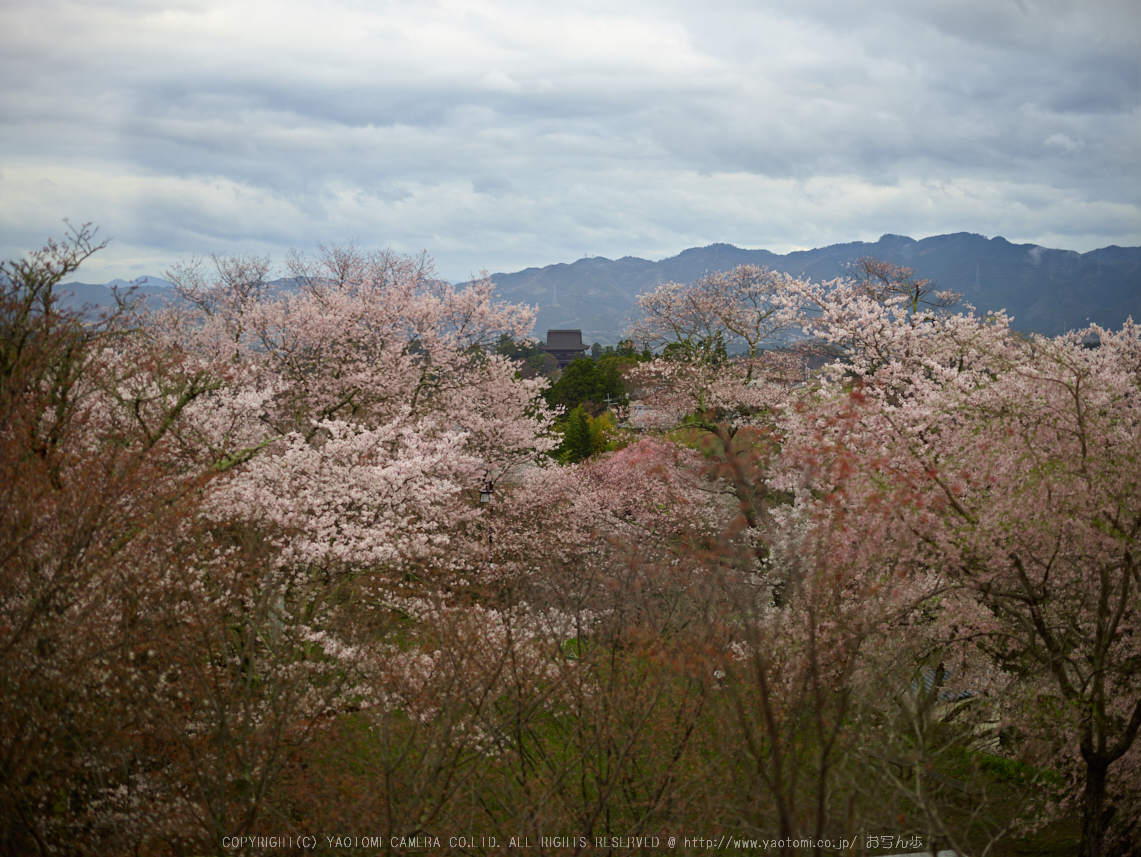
(285, 570)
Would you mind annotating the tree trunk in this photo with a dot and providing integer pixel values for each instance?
(1093, 803)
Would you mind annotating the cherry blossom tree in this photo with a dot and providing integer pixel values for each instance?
(1009, 467)
(879, 280)
(100, 490)
(696, 381)
(379, 377)
(750, 305)
(944, 426)
(249, 585)
(184, 494)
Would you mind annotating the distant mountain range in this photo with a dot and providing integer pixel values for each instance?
(98, 296)
(1045, 290)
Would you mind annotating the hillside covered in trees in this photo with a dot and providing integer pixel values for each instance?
(288, 570)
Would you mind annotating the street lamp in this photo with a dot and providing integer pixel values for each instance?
(485, 500)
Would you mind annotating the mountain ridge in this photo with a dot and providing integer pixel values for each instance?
(1044, 289)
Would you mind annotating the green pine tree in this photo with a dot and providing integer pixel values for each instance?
(577, 441)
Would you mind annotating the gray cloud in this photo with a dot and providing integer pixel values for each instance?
(504, 134)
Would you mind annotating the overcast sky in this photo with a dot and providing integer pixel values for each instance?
(503, 134)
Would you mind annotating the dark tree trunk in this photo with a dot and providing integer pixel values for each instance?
(1093, 806)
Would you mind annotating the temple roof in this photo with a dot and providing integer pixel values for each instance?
(564, 340)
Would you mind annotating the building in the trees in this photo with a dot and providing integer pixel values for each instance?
(565, 345)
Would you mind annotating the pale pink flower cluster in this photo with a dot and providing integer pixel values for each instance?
(1002, 470)
(361, 401)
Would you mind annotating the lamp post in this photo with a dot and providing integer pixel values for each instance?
(485, 495)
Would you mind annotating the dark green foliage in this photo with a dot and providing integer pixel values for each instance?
(524, 350)
(709, 350)
(625, 351)
(584, 380)
(578, 444)
(540, 364)
(1005, 770)
(532, 359)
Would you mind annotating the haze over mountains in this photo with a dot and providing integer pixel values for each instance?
(1045, 290)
